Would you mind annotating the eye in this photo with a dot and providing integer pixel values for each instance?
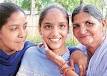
(62, 26)
(13, 28)
(89, 23)
(48, 26)
(76, 26)
(25, 26)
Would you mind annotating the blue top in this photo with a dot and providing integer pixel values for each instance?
(98, 62)
(36, 63)
(9, 64)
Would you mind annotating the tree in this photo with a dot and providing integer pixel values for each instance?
(26, 4)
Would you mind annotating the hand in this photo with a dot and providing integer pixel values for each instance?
(53, 57)
(81, 60)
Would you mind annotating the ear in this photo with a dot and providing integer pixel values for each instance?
(104, 25)
(40, 32)
(104, 22)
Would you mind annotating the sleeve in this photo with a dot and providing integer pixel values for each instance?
(72, 49)
(26, 68)
(78, 47)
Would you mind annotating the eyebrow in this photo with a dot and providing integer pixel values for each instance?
(47, 23)
(25, 23)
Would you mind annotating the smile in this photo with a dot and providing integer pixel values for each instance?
(55, 40)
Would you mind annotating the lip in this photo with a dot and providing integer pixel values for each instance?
(84, 36)
(54, 39)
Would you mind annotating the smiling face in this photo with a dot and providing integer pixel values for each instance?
(54, 28)
(87, 29)
(13, 32)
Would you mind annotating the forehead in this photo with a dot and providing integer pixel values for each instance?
(16, 18)
(55, 14)
(84, 16)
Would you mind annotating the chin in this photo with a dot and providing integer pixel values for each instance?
(54, 47)
(19, 48)
(86, 43)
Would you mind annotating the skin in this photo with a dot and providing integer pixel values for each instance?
(13, 33)
(88, 30)
(54, 29)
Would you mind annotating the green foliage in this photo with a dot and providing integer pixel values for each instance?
(35, 38)
(68, 4)
(71, 42)
(98, 3)
(26, 4)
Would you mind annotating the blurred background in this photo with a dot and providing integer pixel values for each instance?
(33, 7)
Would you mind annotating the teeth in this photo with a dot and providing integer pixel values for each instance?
(55, 40)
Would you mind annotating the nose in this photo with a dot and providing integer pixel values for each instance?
(83, 29)
(55, 31)
(22, 33)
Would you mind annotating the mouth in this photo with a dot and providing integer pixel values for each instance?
(55, 39)
(84, 36)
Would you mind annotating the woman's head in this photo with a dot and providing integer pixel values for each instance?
(12, 27)
(88, 25)
(53, 26)
(6, 9)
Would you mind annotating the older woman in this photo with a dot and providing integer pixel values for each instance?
(89, 29)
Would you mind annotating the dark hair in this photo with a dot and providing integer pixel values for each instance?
(45, 11)
(6, 9)
(90, 9)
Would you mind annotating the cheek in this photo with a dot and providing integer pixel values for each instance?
(45, 36)
(65, 34)
(8, 39)
(75, 33)
(9, 36)
(97, 31)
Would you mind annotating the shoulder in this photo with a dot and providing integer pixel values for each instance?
(35, 52)
(29, 44)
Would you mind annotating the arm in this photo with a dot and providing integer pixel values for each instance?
(63, 66)
(79, 58)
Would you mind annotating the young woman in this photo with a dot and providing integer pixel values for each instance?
(12, 38)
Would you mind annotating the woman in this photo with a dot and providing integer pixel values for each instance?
(53, 28)
(12, 38)
(89, 29)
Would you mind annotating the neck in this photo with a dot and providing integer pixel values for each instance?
(92, 48)
(60, 51)
(6, 50)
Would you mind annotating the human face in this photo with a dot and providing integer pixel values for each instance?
(54, 28)
(87, 29)
(13, 33)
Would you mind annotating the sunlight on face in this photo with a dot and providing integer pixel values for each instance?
(13, 33)
(87, 29)
(54, 28)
